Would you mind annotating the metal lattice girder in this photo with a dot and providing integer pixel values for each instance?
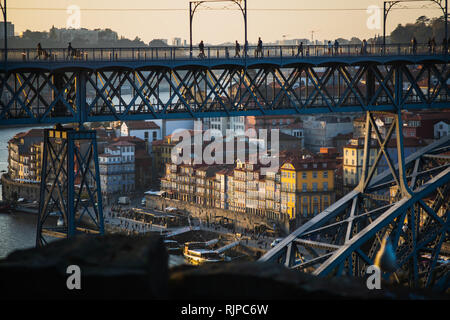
(345, 237)
(70, 196)
(127, 91)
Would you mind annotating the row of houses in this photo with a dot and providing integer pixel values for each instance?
(300, 188)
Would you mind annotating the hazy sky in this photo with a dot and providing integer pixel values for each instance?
(218, 26)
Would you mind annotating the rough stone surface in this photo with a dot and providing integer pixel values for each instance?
(112, 266)
(121, 267)
(274, 282)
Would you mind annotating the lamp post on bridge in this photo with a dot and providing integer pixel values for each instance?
(389, 4)
(193, 5)
(3, 7)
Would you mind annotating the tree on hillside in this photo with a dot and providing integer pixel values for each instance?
(355, 40)
(423, 29)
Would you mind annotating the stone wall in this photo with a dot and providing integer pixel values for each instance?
(241, 220)
(119, 267)
(28, 191)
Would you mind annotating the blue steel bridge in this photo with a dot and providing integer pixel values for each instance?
(164, 83)
(406, 207)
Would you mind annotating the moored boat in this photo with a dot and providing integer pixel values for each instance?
(172, 247)
(198, 253)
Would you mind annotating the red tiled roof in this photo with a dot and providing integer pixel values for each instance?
(132, 139)
(141, 125)
(122, 143)
(33, 133)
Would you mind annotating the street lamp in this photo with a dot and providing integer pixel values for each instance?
(3, 7)
(389, 4)
(193, 5)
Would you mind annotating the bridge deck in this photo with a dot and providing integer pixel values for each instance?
(216, 57)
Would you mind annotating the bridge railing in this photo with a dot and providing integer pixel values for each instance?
(212, 52)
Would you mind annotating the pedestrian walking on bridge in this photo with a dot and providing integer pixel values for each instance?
(300, 49)
(201, 47)
(336, 47)
(237, 50)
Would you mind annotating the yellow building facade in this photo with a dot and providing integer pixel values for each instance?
(307, 186)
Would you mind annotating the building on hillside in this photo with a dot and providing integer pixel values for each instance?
(22, 179)
(117, 170)
(145, 130)
(354, 156)
(319, 131)
(161, 154)
(415, 125)
(307, 186)
(237, 125)
(442, 129)
(9, 30)
(302, 187)
(340, 141)
(20, 150)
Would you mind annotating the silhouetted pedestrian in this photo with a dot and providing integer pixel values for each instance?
(414, 45)
(237, 50)
(433, 45)
(364, 47)
(259, 48)
(39, 51)
(300, 49)
(201, 47)
(336, 47)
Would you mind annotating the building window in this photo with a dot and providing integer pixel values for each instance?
(325, 174)
(304, 187)
(325, 186)
(314, 186)
(304, 175)
(314, 175)
(154, 135)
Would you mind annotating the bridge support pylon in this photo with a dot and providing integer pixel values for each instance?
(70, 195)
(399, 212)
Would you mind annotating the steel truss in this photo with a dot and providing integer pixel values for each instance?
(409, 204)
(122, 93)
(70, 186)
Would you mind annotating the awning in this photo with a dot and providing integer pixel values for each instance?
(155, 193)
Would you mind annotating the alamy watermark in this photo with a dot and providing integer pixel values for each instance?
(74, 280)
(374, 279)
(74, 19)
(250, 147)
(375, 17)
